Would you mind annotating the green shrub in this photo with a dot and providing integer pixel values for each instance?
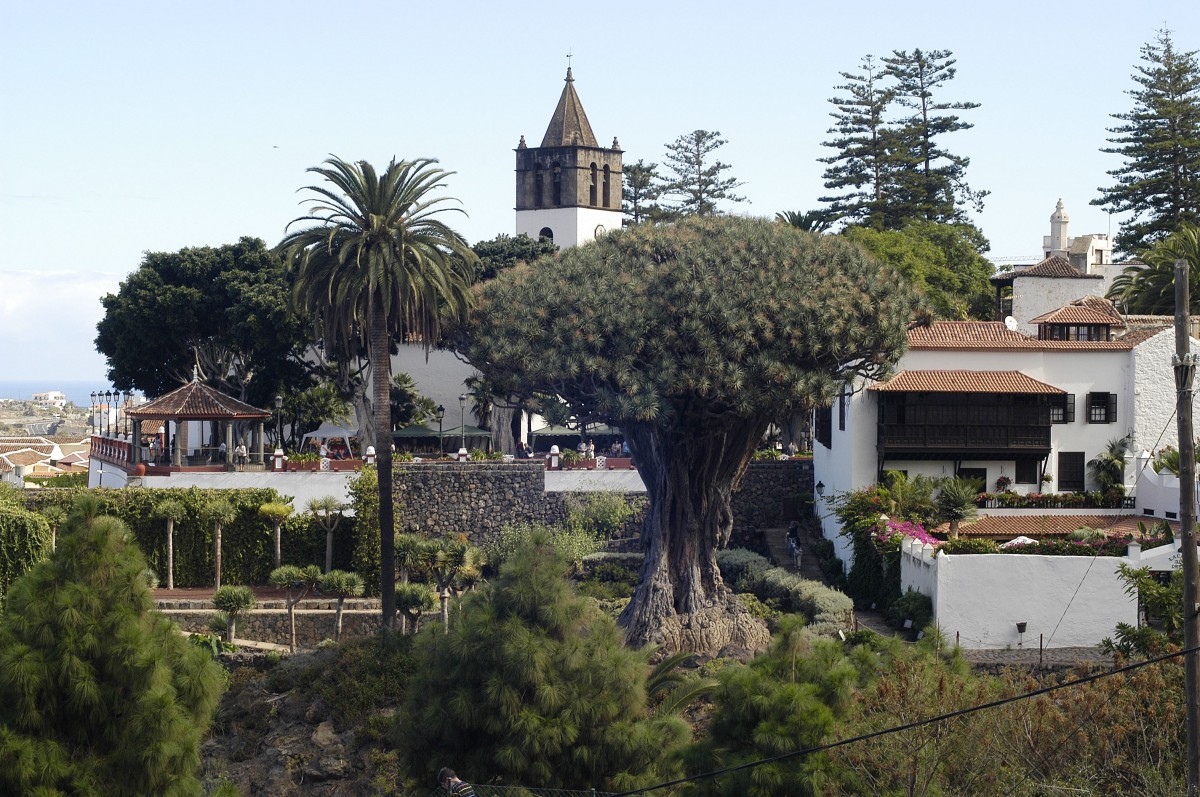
(246, 542)
(24, 541)
(576, 544)
(533, 685)
(746, 571)
(629, 560)
(766, 455)
(599, 514)
(914, 606)
(969, 545)
(99, 693)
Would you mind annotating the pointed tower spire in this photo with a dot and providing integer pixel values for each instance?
(569, 126)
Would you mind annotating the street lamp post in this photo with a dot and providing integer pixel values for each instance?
(107, 409)
(279, 422)
(462, 423)
(128, 396)
(441, 413)
(94, 418)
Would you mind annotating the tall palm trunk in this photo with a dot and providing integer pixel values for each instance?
(170, 553)
(381, 377)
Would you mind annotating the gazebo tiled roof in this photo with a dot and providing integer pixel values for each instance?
(197, 401)
(965, 382)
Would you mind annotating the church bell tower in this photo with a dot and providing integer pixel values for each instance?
(569, 188)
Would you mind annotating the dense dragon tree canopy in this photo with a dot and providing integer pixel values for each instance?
(691, 324)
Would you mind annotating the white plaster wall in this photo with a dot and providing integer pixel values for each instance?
(441, 378)
(849, 464)
(102, 474)
(571, 226)
(1075, 601)
(1034, 296)
(1154, 424)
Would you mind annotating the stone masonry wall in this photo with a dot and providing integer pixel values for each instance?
(271, 625)
(480, 497)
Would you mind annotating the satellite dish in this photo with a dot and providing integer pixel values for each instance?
(1011, 323)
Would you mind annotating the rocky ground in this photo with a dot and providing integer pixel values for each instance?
(278, 733)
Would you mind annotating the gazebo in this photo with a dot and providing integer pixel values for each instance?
(196, 401)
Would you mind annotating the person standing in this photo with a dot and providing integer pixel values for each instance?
(453, 784)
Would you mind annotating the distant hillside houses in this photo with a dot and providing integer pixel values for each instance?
(31, 457)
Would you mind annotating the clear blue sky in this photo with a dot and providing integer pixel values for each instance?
(153, 126)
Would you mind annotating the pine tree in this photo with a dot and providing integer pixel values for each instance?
(696, 179)
(1159, 181)
(533, 686)
(931, 181)
(99, 693)
(864, 162)
(640, 191)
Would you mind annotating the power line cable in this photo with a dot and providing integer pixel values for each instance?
(910, 725)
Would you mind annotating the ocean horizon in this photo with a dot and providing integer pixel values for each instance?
(77, 391)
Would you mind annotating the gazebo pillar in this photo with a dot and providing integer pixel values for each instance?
(135, 443)
(258, 443)
(228, 444)
(177, 443)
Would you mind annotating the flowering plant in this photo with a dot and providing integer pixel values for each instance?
(893, 530)
(1002, 484)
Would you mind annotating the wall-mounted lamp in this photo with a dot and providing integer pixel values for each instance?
(1021, 633)
(820, 488)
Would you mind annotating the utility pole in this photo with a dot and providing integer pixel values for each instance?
(1185, 371)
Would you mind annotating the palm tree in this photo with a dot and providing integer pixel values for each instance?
(818, 221)
(956, 501)
(379, 266)
(1108, 468)
(1150, 289)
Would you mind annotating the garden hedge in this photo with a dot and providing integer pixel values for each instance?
(24, 541)
(827, 609)
(246, 542)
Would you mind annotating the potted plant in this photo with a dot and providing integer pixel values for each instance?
(1002, 484)
(1047, 478)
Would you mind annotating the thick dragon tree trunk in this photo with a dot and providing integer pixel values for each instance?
(381, 376)
(682, 602)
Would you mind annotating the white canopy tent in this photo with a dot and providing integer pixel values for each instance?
(328, 432)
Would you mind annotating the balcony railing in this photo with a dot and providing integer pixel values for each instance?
(942, 437)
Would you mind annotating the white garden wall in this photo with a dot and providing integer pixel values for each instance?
(978, 599)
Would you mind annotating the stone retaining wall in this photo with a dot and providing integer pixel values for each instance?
(271, 625)
(481, 497)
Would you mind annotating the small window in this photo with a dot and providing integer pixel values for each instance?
(539, 183)
(1027, 471)
(823, 426)
(546, 233)
(1062, 408)
(977, 475)
(557, 185)
(607, 176)
(1102, 408)
(842, 412)
(592, 188)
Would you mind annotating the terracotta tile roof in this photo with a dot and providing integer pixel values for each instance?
(1100, 305)
(24, 440)
(942, 332)
(1055, 267)
(1007, 527)
(197, 401)
(965, 382)
(1075, 314)
(79, 457)
(5, 467)
(959, 335)
(24, 457)
(44, 449)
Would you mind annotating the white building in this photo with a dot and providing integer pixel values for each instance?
(51, 398)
